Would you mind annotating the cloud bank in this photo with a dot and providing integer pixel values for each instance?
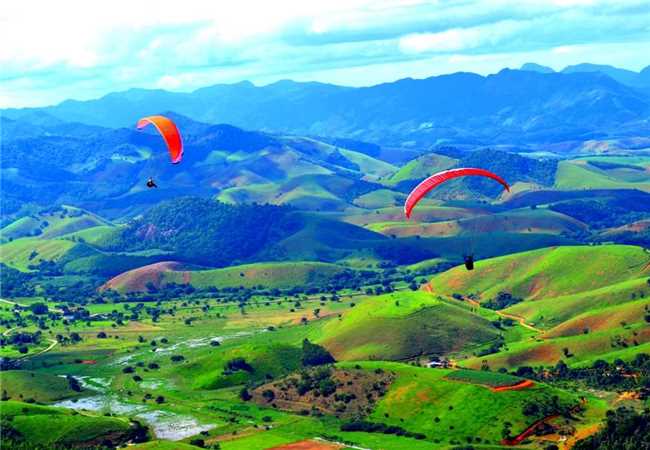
(73, 49)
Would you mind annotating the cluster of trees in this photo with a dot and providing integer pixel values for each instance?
(378, 427)
(608, 212)
(548, 406)
(21, 340)
(205, 231)
(624, 428)
(511, 166)
(501, 301)
(633, 375)
(14, 283)
(315, 355)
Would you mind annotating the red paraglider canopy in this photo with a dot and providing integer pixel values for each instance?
(434, 180)
(169, 132)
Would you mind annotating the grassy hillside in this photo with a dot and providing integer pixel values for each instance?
(418, 396)
(548, 272)
(269, 275)
(403, 325)
(421, 168)
(381, 198)
(581, 174)
(588, 302)
(41, 387)
(395, 214)
(21, 253)
(48, 426)
(519, 221)
(52, 222)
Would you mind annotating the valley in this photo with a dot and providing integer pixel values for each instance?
(271, 294)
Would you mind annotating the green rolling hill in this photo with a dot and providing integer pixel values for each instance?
(269, 275)
(402, 326)
(588, 302)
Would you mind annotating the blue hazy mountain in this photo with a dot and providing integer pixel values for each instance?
(512, 106)
(623, 76)
(533, 67)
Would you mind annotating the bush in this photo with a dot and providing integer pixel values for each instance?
(236, 364)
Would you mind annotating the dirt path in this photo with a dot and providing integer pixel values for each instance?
(514, 387)
(520, 320)
(53, 343)
(581, 433)
(309, 445)
(2, 300)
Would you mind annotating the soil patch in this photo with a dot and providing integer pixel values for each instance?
(325, 390)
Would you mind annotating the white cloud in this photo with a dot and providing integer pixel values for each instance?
(80, 49)
(457, 39)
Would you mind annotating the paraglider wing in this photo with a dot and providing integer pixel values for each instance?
(436, 179)
(169, 132)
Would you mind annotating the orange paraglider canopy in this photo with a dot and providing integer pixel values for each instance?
(434, 180)
(169, 132)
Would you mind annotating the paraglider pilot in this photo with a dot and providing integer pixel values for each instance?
(469, 262)
(151, 183)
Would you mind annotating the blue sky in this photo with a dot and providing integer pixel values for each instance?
(84, 49)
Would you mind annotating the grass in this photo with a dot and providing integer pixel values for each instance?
(270, 275)
(368, 165)
(578, 174)
(525, 221)
(163, 445)
(380, 198)
(591, 301)
(17, 253)
(97, 236)
(67, 219)
(482, 377)
(43, 425)
(418, 396)
(42, 387)
(583, 349)
(549, 272)
(422, 167)
(403, 325)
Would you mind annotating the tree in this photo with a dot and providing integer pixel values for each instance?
(315, 355)
(73, 383)
(245, 395)
(101, 335)
(160, 399)
(268, 395)
(624, 429)
(39, 308)
(198, 443)
(239, 363)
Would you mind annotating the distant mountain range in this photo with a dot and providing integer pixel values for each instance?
(532, 105)
(623, 76)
